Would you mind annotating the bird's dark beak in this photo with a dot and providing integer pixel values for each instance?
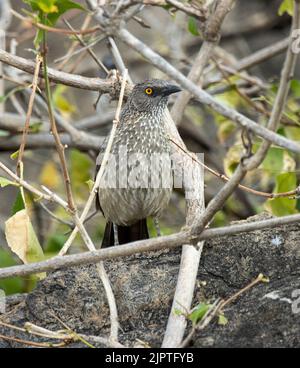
(171, 88)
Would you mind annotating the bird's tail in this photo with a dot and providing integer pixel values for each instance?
(126, 234)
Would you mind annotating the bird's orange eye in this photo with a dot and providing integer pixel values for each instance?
(148, 91)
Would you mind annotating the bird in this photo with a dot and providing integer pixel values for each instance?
(137, 179)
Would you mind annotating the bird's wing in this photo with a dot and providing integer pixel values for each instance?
(98, 165)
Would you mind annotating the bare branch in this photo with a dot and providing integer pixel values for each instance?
(197, 12)
(262, 55)
(154, 244)
(72, 80)
(203, 96)
(45, 140)
(89, 49)
(5, 20)
(29, 110)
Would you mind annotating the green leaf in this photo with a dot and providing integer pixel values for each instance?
(283, 206)
(198, 312)
(19, 204)
(287, 6)
(38, 38)
(36, 127)
(90, 183)
(61, 102)
(274, 160)
(80, 172)
(14, 155)
(11, 285)
(292, 132)
(222, 320)
(295, 87)
(5, 182)
(232, 159)
(63, 7)
(192, 26)
(50, 176)
(46, 6)
(55, 243)
(49, 11)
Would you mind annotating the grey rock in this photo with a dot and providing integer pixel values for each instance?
(264, 316)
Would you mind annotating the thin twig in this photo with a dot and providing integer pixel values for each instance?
(53, 215)
(89, 50)
(118, 57)
(60, 148)
(33, 343)
(74, 44)
(52, 29)
(29, 110)
(259, 278)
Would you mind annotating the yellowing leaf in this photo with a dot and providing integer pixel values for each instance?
(22, 239)
(48, 8)
(231, 98)
(80, 166)
(232, 159)
(50, 176)
(287, 6)
(222, 320)
(14, 155)
(90, 183)
(61, 102)
(5, 182)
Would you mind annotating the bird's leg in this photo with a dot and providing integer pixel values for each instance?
(116, 237)
(156, 225)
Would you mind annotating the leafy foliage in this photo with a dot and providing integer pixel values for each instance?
(287, 6)
(283, 206)
(14, 284)
(48, 12)
(193, 27)
(199, 312)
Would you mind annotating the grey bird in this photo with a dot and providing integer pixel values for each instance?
(137, 180)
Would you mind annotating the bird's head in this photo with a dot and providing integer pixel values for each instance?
(152, 94)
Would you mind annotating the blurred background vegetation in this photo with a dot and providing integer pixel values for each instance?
(251, 25)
